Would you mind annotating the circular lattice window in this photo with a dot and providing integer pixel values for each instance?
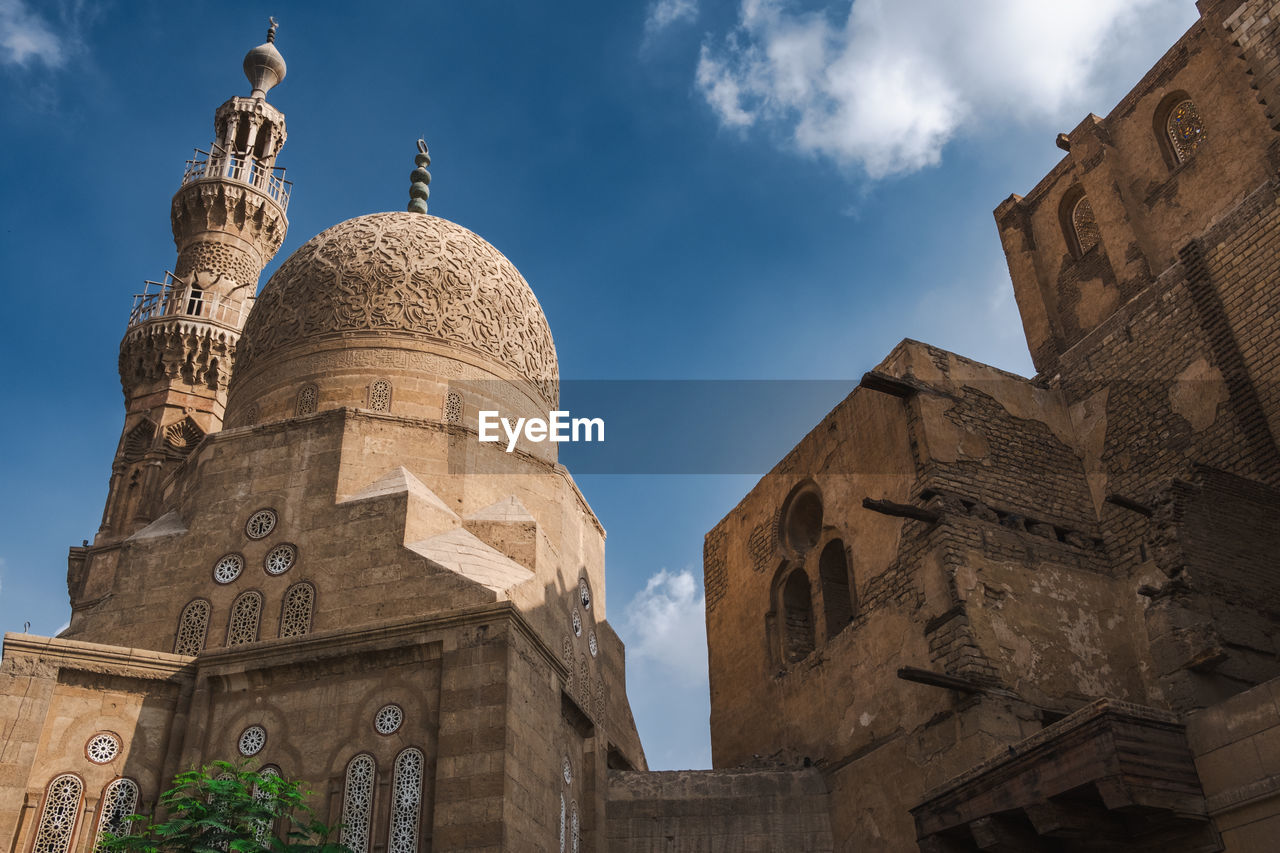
(577, 623)
(252, 740)
(388, 719)
(593, 644)
(102, 747)
(280, 559)
(584, 593)
(260, 523)
(566, 770)
(228, 568)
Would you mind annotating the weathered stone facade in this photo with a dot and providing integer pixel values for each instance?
(969, 611)
(1009, 614)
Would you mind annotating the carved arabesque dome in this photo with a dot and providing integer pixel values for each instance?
(404, 275)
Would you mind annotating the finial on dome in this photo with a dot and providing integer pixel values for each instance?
(419, 192)
(264, 66)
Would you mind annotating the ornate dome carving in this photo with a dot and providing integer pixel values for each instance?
(404, 275)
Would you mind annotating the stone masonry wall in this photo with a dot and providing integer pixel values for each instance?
(1237, 749)
(701, 811)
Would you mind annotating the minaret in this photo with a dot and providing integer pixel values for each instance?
(175, 360)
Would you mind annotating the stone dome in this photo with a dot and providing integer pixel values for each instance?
(408, 275)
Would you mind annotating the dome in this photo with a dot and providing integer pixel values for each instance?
(403, 282)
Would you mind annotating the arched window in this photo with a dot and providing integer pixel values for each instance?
(453, 408)
(837, 592)
(295, 613)
(1084, 225)
(802, 518)
(406, 802)
(797, 608)
(308, 399)
(357, 802)
(1079, 226)
(193, 626)
(245, 612)
(263, 833)
(119, 800)
(1179, 127)
(58, 817)
(562, 823)
(380, 396)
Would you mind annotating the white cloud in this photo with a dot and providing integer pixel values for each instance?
(887, 86)
(666, 628)
(26, 37)
(664, 13)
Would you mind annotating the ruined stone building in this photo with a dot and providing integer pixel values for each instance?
(969, 611)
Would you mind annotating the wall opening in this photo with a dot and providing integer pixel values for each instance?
(797, 608)
(837, 590)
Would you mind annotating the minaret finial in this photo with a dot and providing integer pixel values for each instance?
(419, 192)
(264, 66)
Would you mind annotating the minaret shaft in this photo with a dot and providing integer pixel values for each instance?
(229, 220)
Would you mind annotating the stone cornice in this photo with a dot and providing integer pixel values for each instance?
(279, 652)
(95, 657)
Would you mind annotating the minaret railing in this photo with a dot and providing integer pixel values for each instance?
(221, 165)
(173, 298)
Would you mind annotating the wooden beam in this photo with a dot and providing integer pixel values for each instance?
(901, 510)
(939, 679)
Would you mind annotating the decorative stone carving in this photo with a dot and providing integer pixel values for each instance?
(186, 350)
(219, 259)
(183, 436)
(229, 207)
(407, 275)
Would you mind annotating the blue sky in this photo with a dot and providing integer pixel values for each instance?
(695, 189)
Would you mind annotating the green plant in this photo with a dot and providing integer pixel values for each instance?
(229, 808)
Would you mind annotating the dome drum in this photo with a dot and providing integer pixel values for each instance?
(343, 370)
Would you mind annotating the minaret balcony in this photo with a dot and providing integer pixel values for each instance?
(242, 169)
(172, 299)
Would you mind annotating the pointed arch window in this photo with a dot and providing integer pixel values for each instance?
(357, 802)
(406, 802)
(58, 817)
(837, 592)
(193, 627)
(308, 399)
(119, 800)
(245, 613)
(1084, 225)
(797, 608)
(295, 614)
(1180, 127)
